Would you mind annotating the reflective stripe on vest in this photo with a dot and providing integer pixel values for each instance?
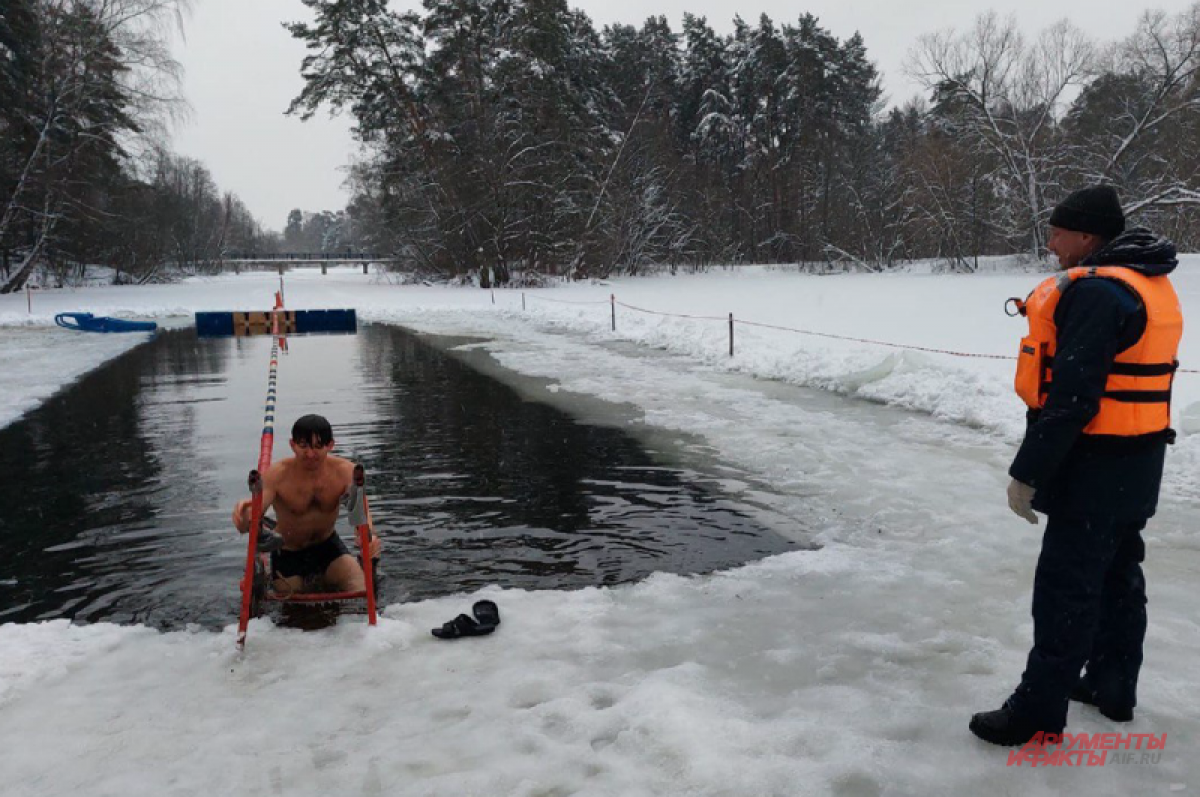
(1137, 394)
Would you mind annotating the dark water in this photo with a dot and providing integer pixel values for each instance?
(115, 495)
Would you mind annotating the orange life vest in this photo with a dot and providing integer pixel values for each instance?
(1137, 395)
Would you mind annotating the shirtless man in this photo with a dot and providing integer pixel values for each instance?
(306, 491)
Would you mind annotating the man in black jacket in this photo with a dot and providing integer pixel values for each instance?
(1097, 490)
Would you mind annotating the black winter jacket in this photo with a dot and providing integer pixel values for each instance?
(1086, 475)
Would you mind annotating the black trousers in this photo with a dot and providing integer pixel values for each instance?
(1089, 607)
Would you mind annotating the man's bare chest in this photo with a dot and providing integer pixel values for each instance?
(308, 498)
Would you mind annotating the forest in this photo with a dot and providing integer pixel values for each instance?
(511, 140)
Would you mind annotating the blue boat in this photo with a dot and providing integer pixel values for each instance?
(86, 322)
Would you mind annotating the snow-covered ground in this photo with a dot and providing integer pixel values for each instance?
(851, 670)
(36, 364)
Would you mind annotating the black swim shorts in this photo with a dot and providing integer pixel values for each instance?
(311, 561)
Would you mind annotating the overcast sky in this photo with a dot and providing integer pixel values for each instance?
(242, 69)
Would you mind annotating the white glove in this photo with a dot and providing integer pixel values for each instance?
(1020, 500)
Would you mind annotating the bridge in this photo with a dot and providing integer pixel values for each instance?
(306, 257)
(282, 260)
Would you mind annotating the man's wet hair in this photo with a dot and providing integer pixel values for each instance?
(313, 430)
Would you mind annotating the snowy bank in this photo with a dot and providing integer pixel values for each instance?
(847, 671)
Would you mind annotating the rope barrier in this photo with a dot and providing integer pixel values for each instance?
(879, 342)
(673, 315)
(255, 479)
(731, 320)
(809, 332)
(565, 301)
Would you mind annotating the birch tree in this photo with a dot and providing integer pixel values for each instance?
(1132, 123)
(1008, 97)
(96, 76)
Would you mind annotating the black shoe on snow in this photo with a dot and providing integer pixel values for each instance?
(1005, 727)
(1082, 693)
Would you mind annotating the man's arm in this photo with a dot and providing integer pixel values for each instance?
(1093, 315)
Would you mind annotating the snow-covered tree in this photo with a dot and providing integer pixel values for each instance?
(84, 78)
(1135, 124)
(1006, 97)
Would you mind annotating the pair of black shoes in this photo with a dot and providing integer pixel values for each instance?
(1082, 693)
(487, 617)
(1007, 727)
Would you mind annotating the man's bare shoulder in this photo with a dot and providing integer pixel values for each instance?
(344, 468)
(279, 471)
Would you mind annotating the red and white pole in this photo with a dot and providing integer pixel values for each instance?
(266, 445)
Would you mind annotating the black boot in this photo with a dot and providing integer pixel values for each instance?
(1005, 727)
(1082, 693)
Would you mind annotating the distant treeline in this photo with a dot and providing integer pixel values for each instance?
(511, 134)
(86, 90)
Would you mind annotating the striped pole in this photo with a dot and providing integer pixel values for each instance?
(255, 481)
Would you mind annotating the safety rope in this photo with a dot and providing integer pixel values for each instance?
(810, 332)
(566, 301)
(876, 342)
(672, 315)
(730, 319)
(266, 444)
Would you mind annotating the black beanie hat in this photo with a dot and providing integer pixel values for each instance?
(1095, 210)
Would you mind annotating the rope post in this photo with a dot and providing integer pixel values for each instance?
(612, 300)
(493, 295)
(280, 303)
(731, 334)
(28, 298)
(522, 301)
